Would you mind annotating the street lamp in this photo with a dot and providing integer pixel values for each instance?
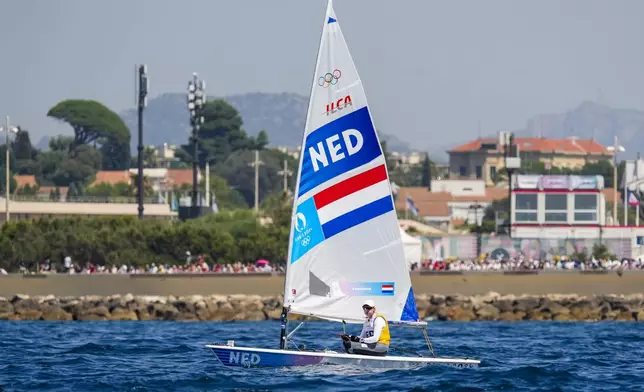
(615, 148)
(196, 101)
(142, 102)
(512, 161)
(7, 129)
(477, 218)
(256, 164)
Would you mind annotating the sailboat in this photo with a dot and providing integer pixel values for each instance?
(345, 245)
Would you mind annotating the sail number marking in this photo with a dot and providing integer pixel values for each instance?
(336, 147)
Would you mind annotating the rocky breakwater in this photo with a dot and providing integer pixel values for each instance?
(490, 307)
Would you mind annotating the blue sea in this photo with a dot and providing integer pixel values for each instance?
(170, 356)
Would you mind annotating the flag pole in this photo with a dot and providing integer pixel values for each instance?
(637, 214)
(625, 199)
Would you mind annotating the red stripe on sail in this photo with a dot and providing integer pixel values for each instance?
(350, 185)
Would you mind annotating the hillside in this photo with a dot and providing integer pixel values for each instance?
(281, 115)
(593, 121)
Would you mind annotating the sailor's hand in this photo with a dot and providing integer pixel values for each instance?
(345, 337)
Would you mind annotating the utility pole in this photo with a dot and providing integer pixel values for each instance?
(8, 129)
(142, 102)
(196, 101)
(615, 148)
(256, 165)
(512, 160)
(207, 183)
(286, 173)
(7, 184)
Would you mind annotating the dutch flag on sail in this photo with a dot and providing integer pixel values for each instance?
(354, 201)
(387, 288)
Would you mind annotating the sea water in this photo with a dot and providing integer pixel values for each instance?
(170, 356)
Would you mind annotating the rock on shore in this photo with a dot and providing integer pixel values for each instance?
(491, 306)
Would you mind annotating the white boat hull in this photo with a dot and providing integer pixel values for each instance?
(261, 357)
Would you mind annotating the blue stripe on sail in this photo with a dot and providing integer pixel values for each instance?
(357, 216)
(331, 20)
(410, 311)
(332, 155)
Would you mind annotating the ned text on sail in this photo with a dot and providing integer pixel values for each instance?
(335, 148)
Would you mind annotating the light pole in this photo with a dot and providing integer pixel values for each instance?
(478, 221)
(142, 101)
(615, 148)
(256, 165)
(196, 101)
(7, 129)
(512, 162)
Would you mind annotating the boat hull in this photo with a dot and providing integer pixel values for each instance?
(248, 357)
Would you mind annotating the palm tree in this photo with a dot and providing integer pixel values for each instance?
(150, 157)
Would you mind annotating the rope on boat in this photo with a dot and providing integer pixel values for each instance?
(429, 343)
(406, 351)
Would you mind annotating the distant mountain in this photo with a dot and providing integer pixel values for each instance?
(282, 116)
(593, 121)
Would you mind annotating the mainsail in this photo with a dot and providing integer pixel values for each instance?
(345, 244)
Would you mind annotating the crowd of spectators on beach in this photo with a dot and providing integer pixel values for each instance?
(559, 263)
(192, 265)
(199, 264)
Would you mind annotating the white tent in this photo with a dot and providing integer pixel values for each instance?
(412, 247)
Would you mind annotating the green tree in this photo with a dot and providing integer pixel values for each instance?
(27, 190)
(22, 148)
(488, 225)
(91, 121)
(116, 155)
(391, 163)
(24, 153)
(427, 172)
(226, 197)
(79, 169)
(3, 182)
(279, 208)
(72, 191)
(3, 155)
(236, 170)
(220, 135)
(61, 143)
(47, 163)
(224, 237)
(600, 251)
(149, 157)
(602, 168)
(261, 140)
(121, 189)
(147, 186)
(411, 175)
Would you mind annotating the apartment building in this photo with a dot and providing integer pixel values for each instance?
(484, 157)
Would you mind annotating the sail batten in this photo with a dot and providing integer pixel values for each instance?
(345, 244)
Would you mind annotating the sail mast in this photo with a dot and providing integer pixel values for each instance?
(284, 315)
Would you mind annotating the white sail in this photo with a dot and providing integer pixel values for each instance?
(345, 244)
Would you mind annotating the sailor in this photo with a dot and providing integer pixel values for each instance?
(374, 338)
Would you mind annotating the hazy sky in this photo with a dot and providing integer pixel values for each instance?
(431, 69)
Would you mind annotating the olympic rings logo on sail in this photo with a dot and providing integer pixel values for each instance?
(330, 78)
(306, 241)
